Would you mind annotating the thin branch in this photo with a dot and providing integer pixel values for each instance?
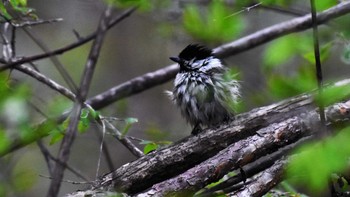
(65, 75)
(64, 151)
(125, 141)
(68, 181)
(13, 42)
(47, 81)
(101, 149)
(282, 10)
(318, 67)
(48, 157)
(69, 137)
(69, 47)
(7, 44)
(36, 22)
(106, 151)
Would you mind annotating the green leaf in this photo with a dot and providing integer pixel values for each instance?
(282, 86)
(22, 2)
(324, 53)
(84, 118)
(56, 136)
(4, 11)
(325, 4)
(5, 142)
(279, 52)
(83, 125)
(144, 5)
(57, 106)
(217, 25)
(128, 123)
(315, 162)
(283, 3)
(332, 95)
(150, 147)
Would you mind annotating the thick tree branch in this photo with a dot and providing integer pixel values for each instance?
(197, 160)
(263, 182)
(268, 139)
(163, 164)
(232, 183)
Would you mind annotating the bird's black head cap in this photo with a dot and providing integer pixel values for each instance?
(195, 51)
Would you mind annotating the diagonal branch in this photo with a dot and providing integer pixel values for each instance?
(209, 154)
(64, 151)
(70, 46)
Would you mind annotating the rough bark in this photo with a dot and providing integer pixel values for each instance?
(250, 136)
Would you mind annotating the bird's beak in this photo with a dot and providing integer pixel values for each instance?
(175, 59)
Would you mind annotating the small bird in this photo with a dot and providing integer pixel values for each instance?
(202, 91)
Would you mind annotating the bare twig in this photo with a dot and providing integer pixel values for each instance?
(105, 150)
(13, 42)
(69, 181)
(69, 137)
(125, 141)
(47, 81)
(48, 157)
(101, 149)
(69, 47)
(318, 67)
(65, 75)
(36, 22)
(282, 10)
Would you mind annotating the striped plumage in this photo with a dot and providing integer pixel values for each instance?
(201, 91)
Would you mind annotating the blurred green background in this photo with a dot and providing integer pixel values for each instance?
(142, 43)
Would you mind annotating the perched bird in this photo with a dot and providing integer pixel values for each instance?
(202, 89)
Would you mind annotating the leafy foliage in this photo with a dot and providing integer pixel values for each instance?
(142, 4)
(128, 123)
(216, 25)
(299, 79)
(14, 8)
(282, 86)
(14, 112)
(315, 162)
